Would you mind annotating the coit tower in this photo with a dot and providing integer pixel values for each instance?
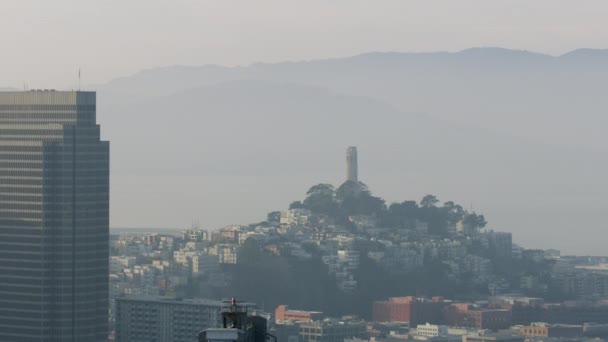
(351, 164)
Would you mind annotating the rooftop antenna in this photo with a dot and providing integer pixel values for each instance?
(78, 79)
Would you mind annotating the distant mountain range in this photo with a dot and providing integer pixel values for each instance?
(518, 135)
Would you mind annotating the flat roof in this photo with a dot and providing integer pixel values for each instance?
(304, 311)
(183, 301)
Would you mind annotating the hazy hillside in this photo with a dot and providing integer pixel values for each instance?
(230, 152)
(556, 100)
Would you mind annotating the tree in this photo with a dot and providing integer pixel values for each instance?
(354, 198)
(296, 205)
(274, 217)
(428, 201)
(401, 215)
(475, 221)
(481, 221)
(321, 199)
(350, 189)
(453, 212)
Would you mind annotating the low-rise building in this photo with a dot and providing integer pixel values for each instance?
(284, 314)
(551, 330)
(492, 337)
(431, 330)
(331, 330)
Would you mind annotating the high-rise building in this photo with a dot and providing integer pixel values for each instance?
(145, 319)
(54, 218)
(351, 164)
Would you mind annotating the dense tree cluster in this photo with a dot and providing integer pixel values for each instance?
(353, 198)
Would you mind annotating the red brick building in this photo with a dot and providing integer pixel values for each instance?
(409, 309)
(468, 315)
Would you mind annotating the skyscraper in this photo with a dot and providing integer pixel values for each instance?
(54, 218)
(351, 164)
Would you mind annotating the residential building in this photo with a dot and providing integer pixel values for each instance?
(500, 244)
(298, 217)
(536, 255)
(431, 330)
(203, 264)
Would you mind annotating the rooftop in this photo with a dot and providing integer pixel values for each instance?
(184, 301)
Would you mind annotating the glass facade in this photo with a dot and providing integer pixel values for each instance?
(54, 218)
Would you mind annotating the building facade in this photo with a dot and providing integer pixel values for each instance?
(54, 218)
(468, 315)
(409, 309)
(284, 314)
(145, 319)
(551, 330)
(332, 331)
(431, 330)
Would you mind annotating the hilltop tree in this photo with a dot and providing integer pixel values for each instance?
(350, 189)
(428, 201)
(321, 199)
(453, 212)
(273, 217)
(296, 205)
(401, 215)
(354, 198)
(475, 221)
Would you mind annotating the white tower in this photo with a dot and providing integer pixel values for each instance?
(351, 164)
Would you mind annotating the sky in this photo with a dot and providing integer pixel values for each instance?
(44, 43)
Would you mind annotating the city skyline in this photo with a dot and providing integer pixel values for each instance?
(349, 170)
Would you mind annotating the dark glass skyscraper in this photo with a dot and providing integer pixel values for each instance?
(54, 218)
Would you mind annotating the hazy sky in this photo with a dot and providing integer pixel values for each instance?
(45, 42)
